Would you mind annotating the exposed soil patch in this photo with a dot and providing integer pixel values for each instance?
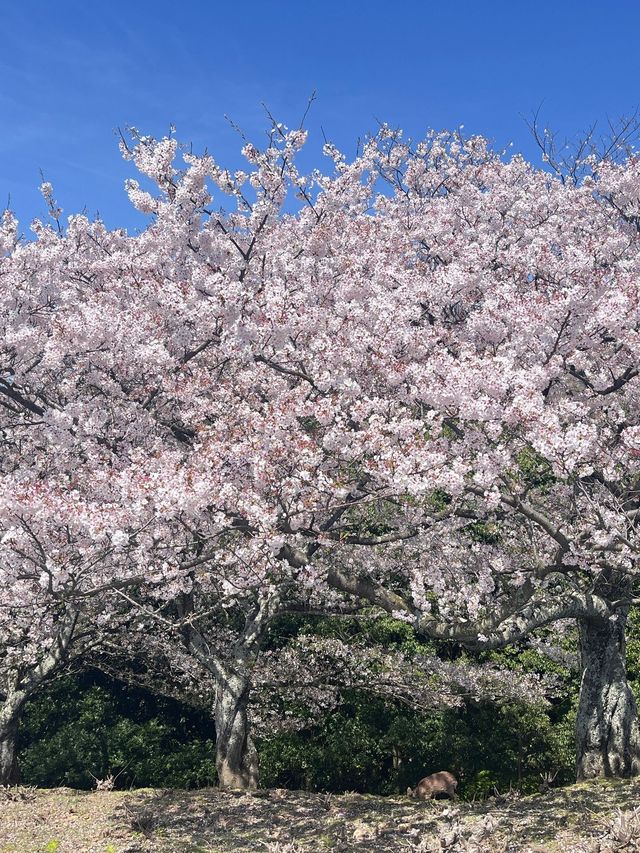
(588, 817)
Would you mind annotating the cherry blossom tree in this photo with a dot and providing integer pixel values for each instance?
(412, 381)
(64, 555)
(462, 354)
(509, 417)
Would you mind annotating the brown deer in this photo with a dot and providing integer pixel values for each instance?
(438, 783)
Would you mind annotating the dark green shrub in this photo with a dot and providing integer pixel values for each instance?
(89, 726)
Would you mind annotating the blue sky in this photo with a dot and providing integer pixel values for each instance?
(72, 72)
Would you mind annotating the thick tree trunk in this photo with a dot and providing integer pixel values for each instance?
(10, 713)
(236, 755)
(607, 729)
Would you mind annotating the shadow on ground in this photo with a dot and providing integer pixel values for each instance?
(225, 822)
(578, 819)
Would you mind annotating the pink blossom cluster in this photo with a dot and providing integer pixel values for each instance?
(425, 376)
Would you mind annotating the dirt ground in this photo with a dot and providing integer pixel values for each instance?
(596, 816)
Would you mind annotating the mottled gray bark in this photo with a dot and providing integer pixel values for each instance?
(236, 755)
(607, 729)
(10, 713)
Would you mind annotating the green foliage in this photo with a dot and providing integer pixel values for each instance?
(633, 651)
(386, 631)
(377, 747)
(380, 747)
(534, 469)
(88, 727)
(486, 532)
(439, 500)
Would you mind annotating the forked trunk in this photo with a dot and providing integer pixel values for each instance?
(236, 755)
(607, 730)
(10, 714)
